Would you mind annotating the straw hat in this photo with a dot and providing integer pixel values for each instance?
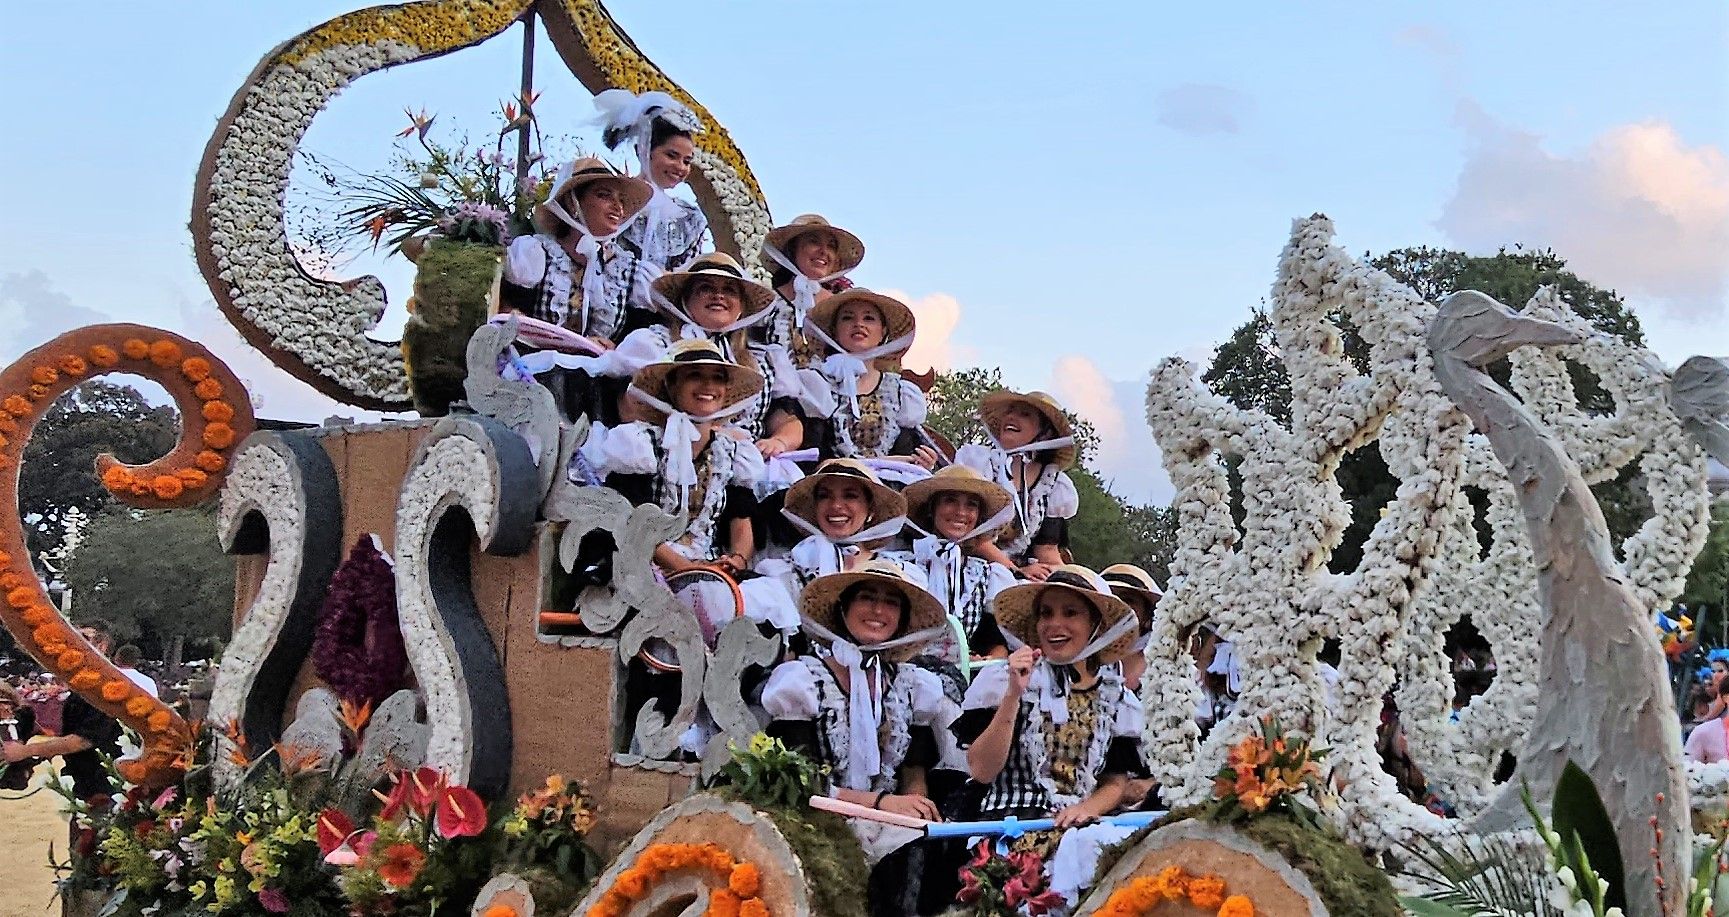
(1135, 586)
(921, 496)
(997, 403)
(820, 602)
(898, 321)
(633, 192)
(851, 250)
(1017, 608)
(885, 502)
(715, 264)
(742, 382)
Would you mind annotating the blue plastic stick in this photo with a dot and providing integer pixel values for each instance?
(1012, 827)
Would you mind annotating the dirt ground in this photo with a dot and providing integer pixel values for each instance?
(27, 827)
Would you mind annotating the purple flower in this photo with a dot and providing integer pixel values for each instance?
(273, 900)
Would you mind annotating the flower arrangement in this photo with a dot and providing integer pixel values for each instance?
(416, 855)
(767, 773)
(1142, 895)
(358, 648)
(545, 840)
(998, 885)
(1266, 772)
(735, 896)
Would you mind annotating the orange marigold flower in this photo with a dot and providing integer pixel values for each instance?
(192, 478)
(167, 486)
(115, 691)
(44, 375)
(632, 884)
(104, 355)
(500, 910)
(745, 881)
(11, 580)
(723, 903)
(16, 405)
(70, 659)
(165, 353)
(135, 349)
(209, 462)
(54, 648)
(38, 392)
(1207, 892)
(73, 364)
(139, 705)
(401, 865)
(158, 721)
(49, 633)
(219, 436)
(21, 598)
(117, 478)
(5, 559)
(85, 679)
(38, 615)
(7, 424)
(140, 488)
(208, 390)
(218, 411)
(195, 369)
(753, 908)
(1237, 906)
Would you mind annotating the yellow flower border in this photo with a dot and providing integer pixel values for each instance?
(737, 898)
(1144, 894)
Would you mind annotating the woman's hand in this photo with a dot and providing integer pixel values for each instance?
(925, 457)
(1074, 816)
(734, 563)
(770, 447)
(914, 806)
(1036, 571)
(1021, 664)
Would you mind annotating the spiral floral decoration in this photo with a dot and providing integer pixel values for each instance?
(215, 415)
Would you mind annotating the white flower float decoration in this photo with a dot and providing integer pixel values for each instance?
(316, 329)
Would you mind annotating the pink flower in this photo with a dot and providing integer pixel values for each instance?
(167, 796)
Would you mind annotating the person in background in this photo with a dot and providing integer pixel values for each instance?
(1032, 446)
(126, 659)
(87, 734)
(17, 725)
(807, 260)
(1708, 743)
(669, 230)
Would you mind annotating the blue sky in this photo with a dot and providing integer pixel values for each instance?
(1080, 190)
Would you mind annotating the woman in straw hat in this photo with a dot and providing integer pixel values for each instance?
(712, 299)
(575, 271)
(1138, 590)
(1032, 445)
(862, 711)
(669, 231)
(845, 513)
(958, 513)
(807, 260)
(686, 459)
(1054, 732)
(877, 412)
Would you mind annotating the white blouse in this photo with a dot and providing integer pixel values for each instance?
(1052, 496)
(806, 689)
(635, 448)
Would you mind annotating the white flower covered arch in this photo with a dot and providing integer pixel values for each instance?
(1268, 588)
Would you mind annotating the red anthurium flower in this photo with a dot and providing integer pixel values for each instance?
(396, 802)
(424, 786)
(461, 813)
(334, 828)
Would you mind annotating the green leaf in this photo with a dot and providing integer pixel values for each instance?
(1578, 811)
(1423, 907)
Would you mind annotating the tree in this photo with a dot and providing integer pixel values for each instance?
(1709, 578)
(1248, 370)
(60, 460)
(154, 576)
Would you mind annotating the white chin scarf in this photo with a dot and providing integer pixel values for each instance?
(846, 368)
(863, 665)
(884, 529)
(804, 289)
(1050, 684)
(593, 272)
(1020, 491)
(679, 436)
(691, 329)
(946, 561)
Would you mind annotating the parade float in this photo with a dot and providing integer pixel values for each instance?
(423, 710)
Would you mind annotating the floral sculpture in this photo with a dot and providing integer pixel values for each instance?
(215, 415)
(316, 329)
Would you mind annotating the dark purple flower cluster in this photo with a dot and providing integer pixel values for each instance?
(358, 650)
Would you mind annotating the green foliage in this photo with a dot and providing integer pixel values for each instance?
(834, 864)
(154, 576)
(59, 466)
(1347, 883)
(1478, 874)
(452, 286)
(1708, 581)
(1589, 834)
(767, 774)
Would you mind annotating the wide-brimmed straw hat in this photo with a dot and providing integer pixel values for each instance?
(885, 502)
(1128, 580)
(1017, 608)
(820, 602)
(742, 382)
(850, 249)
(898, 320)
(633, 192)
(921, 495)
(997, 403)
(715, 264)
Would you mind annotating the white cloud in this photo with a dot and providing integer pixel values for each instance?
(934, 347)
(1202, 108)
(37, 312)
(1637, 209)
(1128, 459)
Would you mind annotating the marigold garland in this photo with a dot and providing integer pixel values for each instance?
(165, 354)
(195, 369)
(209, 390)
(135, 349)
(104, 356)
(16, 405)
(209, 462)
(656, 860)
(218, 411)
(73, 364)
(44, 375)
(1144, 893)
(219, 436)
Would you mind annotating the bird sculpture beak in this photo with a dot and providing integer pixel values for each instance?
(1536, 332)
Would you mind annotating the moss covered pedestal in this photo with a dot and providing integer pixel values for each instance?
(455, 285)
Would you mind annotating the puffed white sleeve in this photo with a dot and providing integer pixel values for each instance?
(1065, 502)
(638, 349)
(913, 407)
(987, 689)
(790, 693)
(628, 449)
(747, 464)
(930, 707)
(1130, 719)
(997, 578)
(976, 457)
(525, 262)
(816, 393)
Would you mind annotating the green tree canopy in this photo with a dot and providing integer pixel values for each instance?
(154, 576)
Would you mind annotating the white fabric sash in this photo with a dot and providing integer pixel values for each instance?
(804, 289)
(1022, 511)
(884, 529)
(846, 368)
(1049, 684)
(863, 665)
(693, 328)
(679, 437)
(593, 273)
(945, 560)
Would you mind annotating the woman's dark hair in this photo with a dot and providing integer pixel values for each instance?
(851, 592)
